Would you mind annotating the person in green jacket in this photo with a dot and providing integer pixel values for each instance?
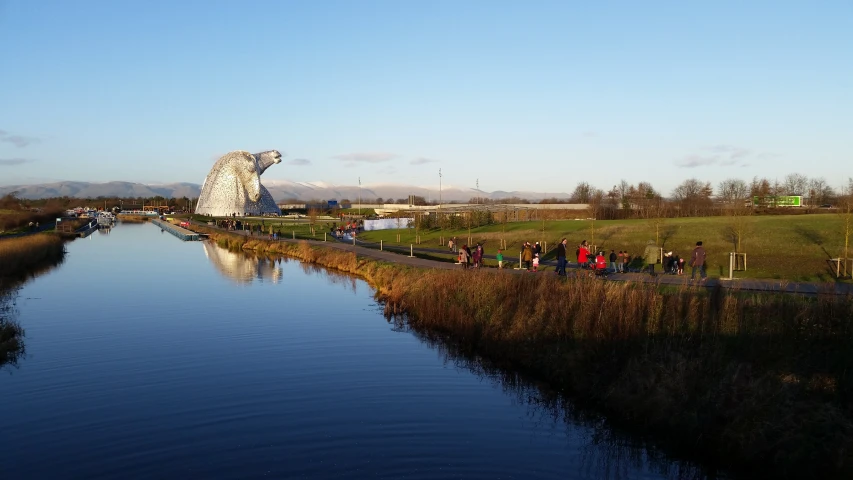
(651, 255)
(500, 258)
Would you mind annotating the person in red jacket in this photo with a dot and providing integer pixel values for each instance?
(583, 254)
(600, 261)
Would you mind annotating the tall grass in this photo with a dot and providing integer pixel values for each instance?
(126, 218)
(18, 219)
(22, 256)
(760, 383)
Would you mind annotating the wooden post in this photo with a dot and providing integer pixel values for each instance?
(731, 264)
(324, 236)
(294, 234)
(411, 251)
(380, 245)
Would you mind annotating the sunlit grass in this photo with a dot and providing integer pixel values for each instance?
(793, 247)
(20, 255)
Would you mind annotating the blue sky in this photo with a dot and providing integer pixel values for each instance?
(520, 95)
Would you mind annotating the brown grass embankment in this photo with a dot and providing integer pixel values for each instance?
(18, 219)
(133, 218)
(758, 383)
(22, 256)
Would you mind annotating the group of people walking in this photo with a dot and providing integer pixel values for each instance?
(673, 264)
(616, 262)
(530, 256)
(475, 258)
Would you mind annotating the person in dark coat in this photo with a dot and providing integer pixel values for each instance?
(561, 258)
(697, 260)
(527, 255)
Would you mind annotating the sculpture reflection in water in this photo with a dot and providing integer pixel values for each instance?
(242, 267)
(245, 267)
(608, 453)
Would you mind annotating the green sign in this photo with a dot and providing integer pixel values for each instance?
(780, 201)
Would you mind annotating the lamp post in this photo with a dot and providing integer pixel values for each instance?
(359, 196)
(439, 198)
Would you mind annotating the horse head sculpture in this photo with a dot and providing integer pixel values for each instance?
(233, 185)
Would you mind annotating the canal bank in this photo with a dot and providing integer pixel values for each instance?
(754, 382)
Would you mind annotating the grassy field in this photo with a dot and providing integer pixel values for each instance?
(793, 247)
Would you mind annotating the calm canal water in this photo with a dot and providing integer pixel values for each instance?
(148, 357)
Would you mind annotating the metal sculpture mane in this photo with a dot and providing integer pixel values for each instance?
(233, 186)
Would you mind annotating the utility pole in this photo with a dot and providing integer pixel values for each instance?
(359, 196)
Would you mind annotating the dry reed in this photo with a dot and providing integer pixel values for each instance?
(21, 255)
(133, 218)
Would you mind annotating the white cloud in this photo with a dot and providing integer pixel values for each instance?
(722, 155)
(299, 161)
(19, 141)
(8, 162)
(366, 157)
(692, 161)
(422, 161)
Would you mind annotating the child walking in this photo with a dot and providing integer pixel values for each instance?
(500, 258)
(536, 262)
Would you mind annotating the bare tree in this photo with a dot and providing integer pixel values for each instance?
(595, 205)
(313, 213)
(693, 196)
(641, 197)
(624, 188)
(819, 191)
(795, 184)
(776, 190)
(657, 211)
(734, 198)
(732, 191)
(582, 193)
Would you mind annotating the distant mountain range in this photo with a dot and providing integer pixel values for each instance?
(281, 190)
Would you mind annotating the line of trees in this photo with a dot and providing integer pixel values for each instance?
(694, 197)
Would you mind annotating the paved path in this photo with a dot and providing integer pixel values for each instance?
(388, 254)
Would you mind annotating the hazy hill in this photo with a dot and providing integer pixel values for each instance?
(280, 190)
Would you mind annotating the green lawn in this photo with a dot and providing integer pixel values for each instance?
(793, 247)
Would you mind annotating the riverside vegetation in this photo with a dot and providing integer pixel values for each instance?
(20, 258)
(760, 384)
